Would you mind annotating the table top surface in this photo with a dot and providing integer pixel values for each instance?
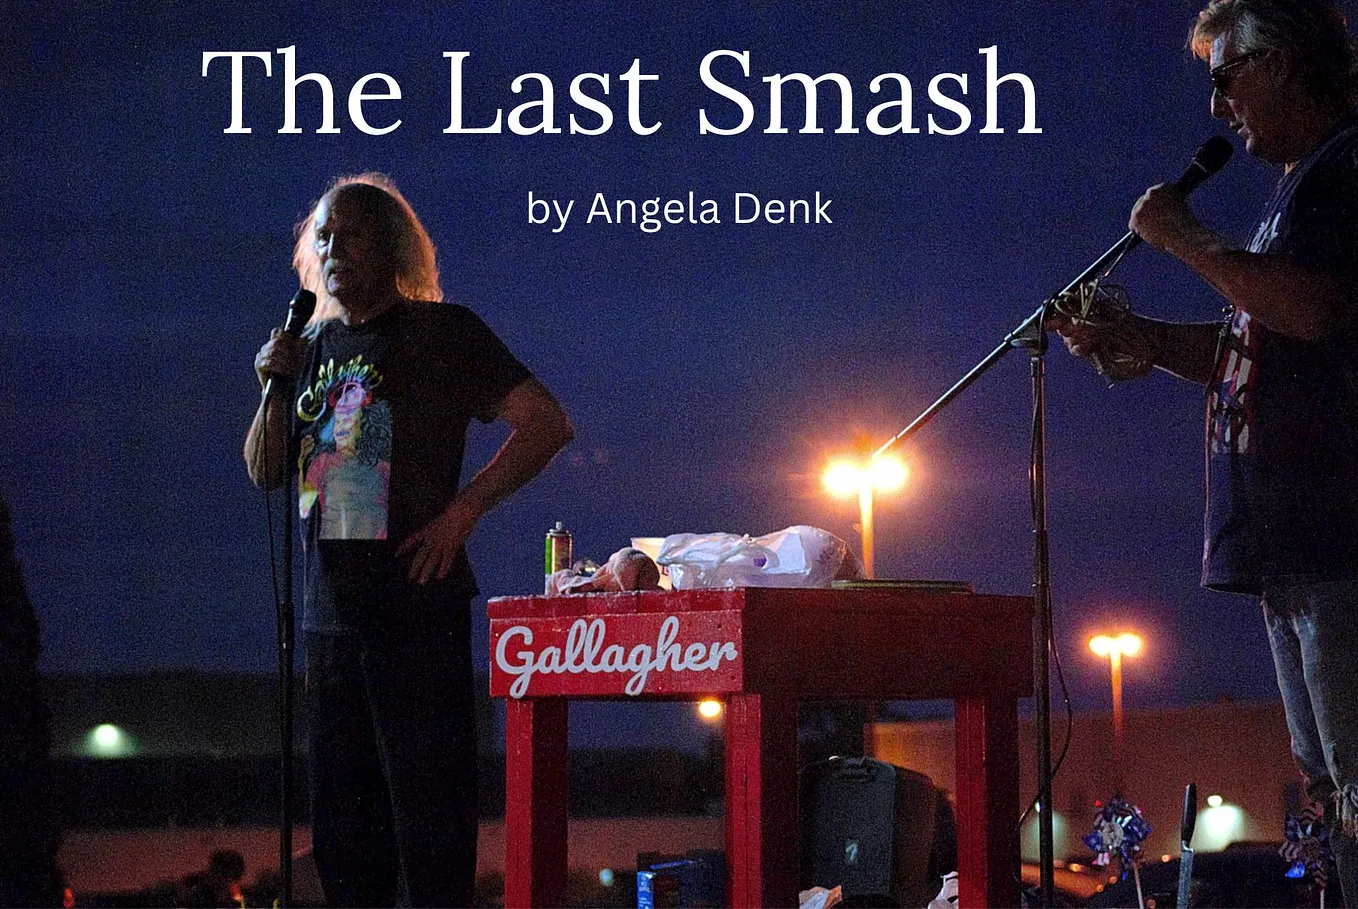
(906, 600)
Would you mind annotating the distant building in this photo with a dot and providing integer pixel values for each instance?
(155, 772)
(1240, 752)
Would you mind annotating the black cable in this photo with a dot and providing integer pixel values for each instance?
(1051, 643)
(268, 523)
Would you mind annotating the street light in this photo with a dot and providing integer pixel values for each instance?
(108, 741)
(846, 478)
(1115, 648)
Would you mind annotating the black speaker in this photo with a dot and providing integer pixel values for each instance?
(884, 834)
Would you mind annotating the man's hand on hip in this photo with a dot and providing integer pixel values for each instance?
(433, 548)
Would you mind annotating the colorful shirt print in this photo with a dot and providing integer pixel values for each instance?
(345, 460)
(1231, 403)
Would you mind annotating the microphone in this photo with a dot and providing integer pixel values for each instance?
(1211, 157)
(300, 308)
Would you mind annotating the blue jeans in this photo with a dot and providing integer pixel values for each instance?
(1313, 631)
(393, 760)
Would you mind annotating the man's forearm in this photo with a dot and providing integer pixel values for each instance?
(1185, 349)
(1289, 298)
(528, 450)
(266, 443)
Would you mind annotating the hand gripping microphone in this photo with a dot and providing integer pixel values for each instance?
(1211, 157)
(300, 308)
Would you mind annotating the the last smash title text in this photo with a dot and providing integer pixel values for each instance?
(725, 75)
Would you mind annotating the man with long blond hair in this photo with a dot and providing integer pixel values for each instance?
(1280, 371)
(388, 379)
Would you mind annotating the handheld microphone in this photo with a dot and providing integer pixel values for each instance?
(1211, 157)
(300, 308)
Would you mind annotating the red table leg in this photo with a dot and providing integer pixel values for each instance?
(987, 802)
(761, 801)
(535, 802)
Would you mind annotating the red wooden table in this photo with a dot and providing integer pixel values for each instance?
(762, 650)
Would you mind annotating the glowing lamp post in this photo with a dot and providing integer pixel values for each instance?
(847, 478)
(1114, 648)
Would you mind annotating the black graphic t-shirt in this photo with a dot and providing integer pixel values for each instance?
(382, 416)
(1282, 422)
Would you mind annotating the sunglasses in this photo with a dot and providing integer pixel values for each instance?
(1223, 74)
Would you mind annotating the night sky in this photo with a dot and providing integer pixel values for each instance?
(709, 369)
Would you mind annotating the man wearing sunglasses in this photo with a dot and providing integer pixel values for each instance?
(1281, 372)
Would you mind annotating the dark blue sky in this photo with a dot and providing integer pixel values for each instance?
(709, 369)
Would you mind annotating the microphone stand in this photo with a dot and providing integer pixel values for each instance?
(1031, 336)
(300, 309)
(286, 642)
(286, 622)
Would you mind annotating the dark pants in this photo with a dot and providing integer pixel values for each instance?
(393, 760)
(30, 830)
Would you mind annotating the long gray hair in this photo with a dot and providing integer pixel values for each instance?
(403, 236)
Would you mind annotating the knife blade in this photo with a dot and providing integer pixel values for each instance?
(1186, 825)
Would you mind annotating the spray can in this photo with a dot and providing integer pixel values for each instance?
(556, 553)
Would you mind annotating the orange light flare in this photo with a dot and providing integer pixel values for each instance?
(844, 478)
(1113, 647)
(1124, 644)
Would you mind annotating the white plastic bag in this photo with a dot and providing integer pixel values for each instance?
(947, 897)
(799, 556)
